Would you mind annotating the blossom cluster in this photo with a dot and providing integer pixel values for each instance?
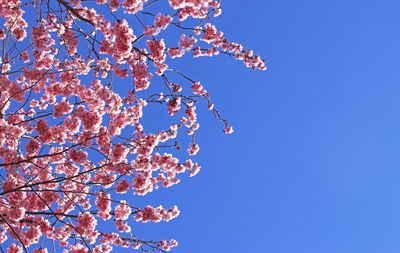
(74, 86)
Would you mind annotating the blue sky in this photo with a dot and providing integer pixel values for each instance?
(313, 164)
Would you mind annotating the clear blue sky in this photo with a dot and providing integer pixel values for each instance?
(313, 164)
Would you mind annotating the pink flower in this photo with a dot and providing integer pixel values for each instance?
(122, 226)
(78, 156)
(150, 214)
(40, 38)
(16, 92)
(13, 248)
(86, 224)
(174, 106)
(197, 88)
(122, 186)
(32, 235)
(228, 130)
(173, 243)
(119, 153)
(40, 250)
(62, 108)
(25, 56)
(162, 21)
(157, 48)
(124, 37)
(103, 248)
(32, 147)
(43, 130)
(191, 113)
(150, 31)
(142, 184)
(122, 211)
(114, 5)
(19, 33)
(196, 170)
(91, 120)
(186, 43)
(175, 52)
(141, 77)
(78, 248)
(176, 4)
(16, 213)
(133, 6)
(122, 73)
(193, 149)
(72, 124)
(210, 34)
(103, 203)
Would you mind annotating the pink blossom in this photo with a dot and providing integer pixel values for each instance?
(114, 4)
(176, 4)
(133, 6)
(175, 52)
(32, 235)
(228, 130)
(62, 108)
(119, 153)
(141, 77)
(86, 224)
(19, 33)
(122, 226)
(191, 113)
(124, 37)
(193, 149)
(78, 156)
(150, 214)
(78, 248)
(44, 132)
(103, 203)
(196, 170)
(157, 48)
(16, 213)
(186, 43)
(40, 38)
(25, 56)
(162, 21)
(40, 250)
(151, 31)
(122, 211)
(174, 106)
(91, 120)
(16, 92)
(32, 147)
(197, 88)
(122, 73)
(173, 243)
(210, 34)
(142, 184)
(103, 248)
(13, 248)
(122, 186)
(77, 135)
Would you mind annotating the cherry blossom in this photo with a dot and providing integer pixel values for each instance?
(76, 83)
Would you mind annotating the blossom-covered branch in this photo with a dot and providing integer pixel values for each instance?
(76, 78)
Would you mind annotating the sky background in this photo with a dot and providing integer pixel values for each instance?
(313, 164)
